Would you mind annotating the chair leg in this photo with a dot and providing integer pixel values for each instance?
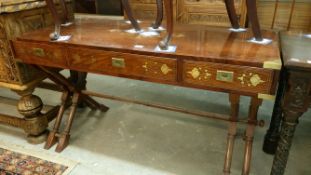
(232, 14)
(169, 24)
(127, 8)
(159, 18)
(65, 135)
(57, 21)
(249, 135)
(52, 138)
(252, 16)
(65, 17)
(235, 102)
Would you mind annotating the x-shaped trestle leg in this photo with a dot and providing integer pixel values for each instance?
(71, 96)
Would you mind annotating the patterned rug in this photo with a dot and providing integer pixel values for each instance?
(14, 163)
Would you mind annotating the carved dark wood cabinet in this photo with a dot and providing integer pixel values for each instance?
(16, 18)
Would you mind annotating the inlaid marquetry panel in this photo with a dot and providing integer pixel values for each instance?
(114, 63)
(227, 76)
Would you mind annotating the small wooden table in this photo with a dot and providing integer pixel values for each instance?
(206, 58)
(293, 97)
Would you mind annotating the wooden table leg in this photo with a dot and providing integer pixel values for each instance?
(127, 8)
(296, 102)
(77, 96)
(65, 135)
(235, 103)
(79, 81)
(94, 104)
(169, 24)
(52, 138)
(35, 123)
(159, 18)
(249, 134)
(273, 133)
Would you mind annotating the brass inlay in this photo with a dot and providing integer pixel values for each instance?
(250, 79)
(256, 80)
(165, 69)
(39, 52)
(226, 76)
(199, 73)
(195, 73)
(118, 62)
(266, 96)
(207, 75)
(145, 66)
(275, 64)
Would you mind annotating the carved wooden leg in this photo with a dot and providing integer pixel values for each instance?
(232, 14)
(235, 102)
(52, 138)
(296, 102)
(249, 135)
(56, 34)
(127, 8)
(169, 24)
(273, 133)
(65, 135)
(36, 124)
(285, 142)
(159, 19)
(252, 16)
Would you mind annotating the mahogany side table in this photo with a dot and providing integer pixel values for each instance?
(293, 97)
(206, 58)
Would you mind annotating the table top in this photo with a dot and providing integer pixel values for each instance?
(193, 41)
(296, 50)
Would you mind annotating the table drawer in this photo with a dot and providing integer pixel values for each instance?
(228, 77)
(115, 63)
(41, 54)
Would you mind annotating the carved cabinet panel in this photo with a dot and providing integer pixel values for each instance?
(280, 15)
(208, 12)
(13, 24)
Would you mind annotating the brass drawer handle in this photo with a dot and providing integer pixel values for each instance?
(39, 52)
(118, 62)
(226, 76)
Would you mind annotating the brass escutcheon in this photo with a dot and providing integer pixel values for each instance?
(118, 62)
(226, 76)
(39, 52)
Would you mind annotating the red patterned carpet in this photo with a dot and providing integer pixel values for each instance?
(13, 163)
